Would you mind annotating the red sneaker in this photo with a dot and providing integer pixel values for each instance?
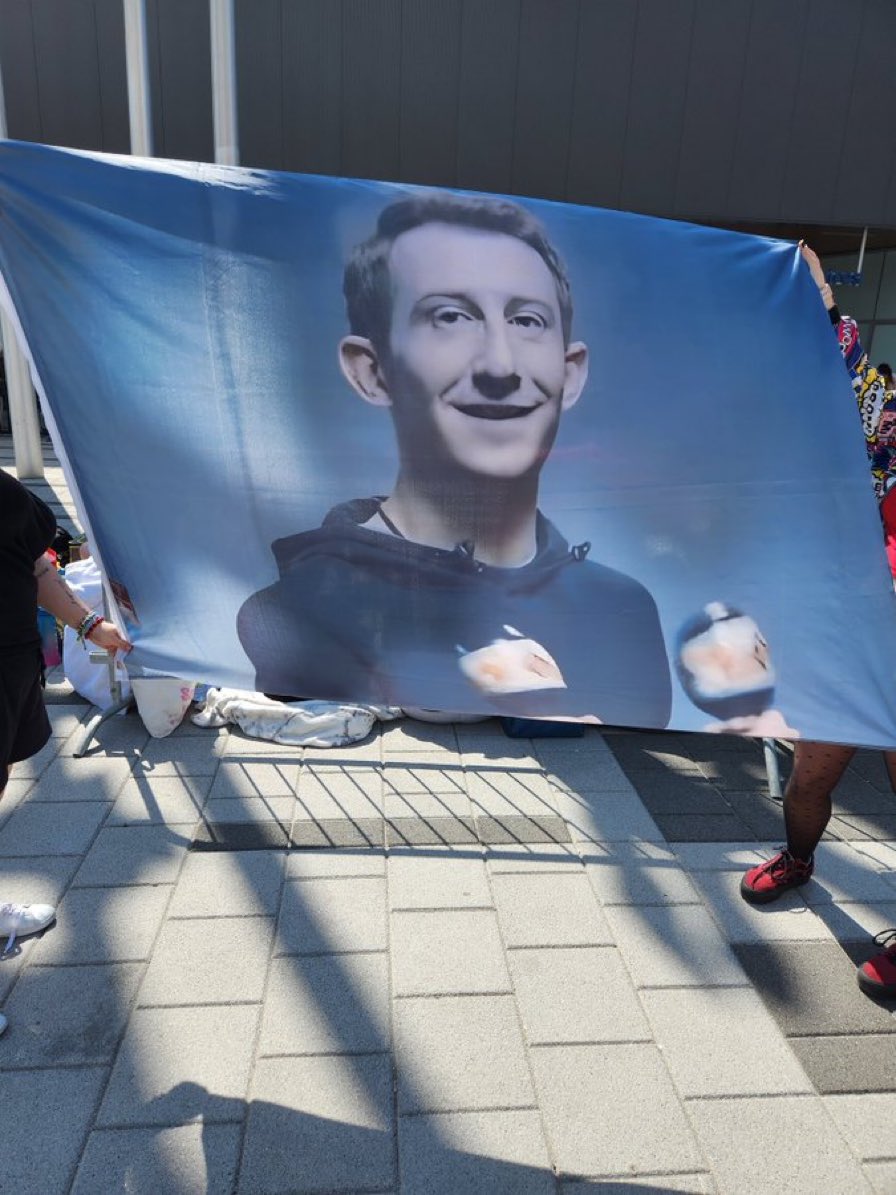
(769, 880)
(877, 977)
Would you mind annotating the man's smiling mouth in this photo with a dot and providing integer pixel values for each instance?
(494, 410)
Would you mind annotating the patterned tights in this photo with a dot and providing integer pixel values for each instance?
(817, 768)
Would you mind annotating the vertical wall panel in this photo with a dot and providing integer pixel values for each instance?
(762, 138)
(544, 97)
(600, 112)
(489, 50)
(868, 158)
(371, 84)
(715, 81)
(430, 78)
(113, 76)
(181, 74)
(259, 81)
(820, 113)
(68, 80)
(313, 86)
(656, 105)
(19, 70)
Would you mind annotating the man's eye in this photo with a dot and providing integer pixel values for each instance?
(447, 317)
(530, 320)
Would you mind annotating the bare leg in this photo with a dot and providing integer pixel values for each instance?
(817, 768)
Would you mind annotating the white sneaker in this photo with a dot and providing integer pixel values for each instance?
(17, 921)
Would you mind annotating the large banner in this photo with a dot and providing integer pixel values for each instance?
(395, 445)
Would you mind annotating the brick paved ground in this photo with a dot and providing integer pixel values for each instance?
(501, 966)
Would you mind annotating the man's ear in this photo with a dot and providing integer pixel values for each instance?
(360, 364)
(576, 373)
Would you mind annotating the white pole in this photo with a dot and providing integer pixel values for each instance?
(223, 45)
(23, 418)
(862, 251)
(137, 58)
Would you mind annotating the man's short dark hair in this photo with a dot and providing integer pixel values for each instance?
(885, 371)
(367, 285)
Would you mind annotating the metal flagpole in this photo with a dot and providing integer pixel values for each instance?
(140, 122)
(223, 47)
(23, 418)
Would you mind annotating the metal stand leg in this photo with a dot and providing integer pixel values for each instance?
(770, 750)
(119, 703)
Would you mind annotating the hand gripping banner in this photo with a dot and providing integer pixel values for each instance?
(403, 446)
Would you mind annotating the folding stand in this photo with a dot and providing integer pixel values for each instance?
(119, 703)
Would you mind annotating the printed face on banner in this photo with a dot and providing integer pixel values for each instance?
(476, 371)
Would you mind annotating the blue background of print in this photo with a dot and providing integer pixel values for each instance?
(183, 320)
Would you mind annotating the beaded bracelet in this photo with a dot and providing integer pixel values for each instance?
(87, 624)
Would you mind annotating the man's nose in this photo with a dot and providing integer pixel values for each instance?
(494, 374)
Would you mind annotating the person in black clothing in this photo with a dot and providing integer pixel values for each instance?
(28, 578)
(455, 589)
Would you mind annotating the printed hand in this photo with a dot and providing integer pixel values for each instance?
(108, 636)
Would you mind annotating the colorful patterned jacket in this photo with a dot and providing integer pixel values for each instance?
(878, 412)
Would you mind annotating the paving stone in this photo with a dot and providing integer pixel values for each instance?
(632, 758)
(741, 1050)
(37, 764)
(581, 775)
(497, 793)
(346, 791)
(447, 952)
(337, 832)
(810, 988)
(576, 995)
(787, 920)
(65, 719)
(477, 1153)
(867, 1121)
(13, 795)
(509, 828)
(327, 1004)
(428, 878)
(431, 831)
(320, 1124)
(425, 737)
(195, 962)
(182, 756)
(736, 772)
(497, 757)
(36, 880)
(549, 910)
(178, 1065)
(673, 946)
(871, 767)
(517, 857)
(135, 855)
(223, 885)
(123, 736)
(331, 916)
(250, 811)
(170, 799)
(336, 862)
(244, 746)
(90, 779)
(237, 778)
(858, 921)
(442, 779)
(105, 925)
(736, 1133)
(717, 856)
(606, 817)
(875, 825)
(882, 1176)
(593, 1100)
(459, 1053)
(838, 830)
(855, 794)
(239, 836)
(61, 1102)
(838, 1065)
(680, 795)
(50, 829)
(191, 1160)
(62, 1016)
(416, 802)
(761, 815)
(692, 1184)
(700, 827)
(843, 873)
(630, 874)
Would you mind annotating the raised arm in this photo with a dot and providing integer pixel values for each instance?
(54, 595)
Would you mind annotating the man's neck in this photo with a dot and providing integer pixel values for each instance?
(498, 520)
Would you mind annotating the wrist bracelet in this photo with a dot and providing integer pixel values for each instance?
(87, 624)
